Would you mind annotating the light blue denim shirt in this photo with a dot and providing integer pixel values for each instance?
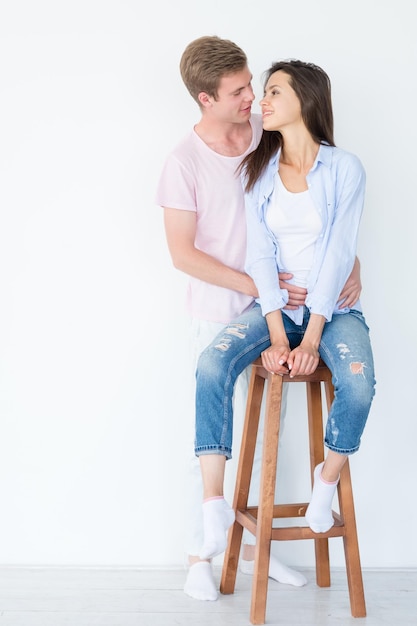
(337, 186)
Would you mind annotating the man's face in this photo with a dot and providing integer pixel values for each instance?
(234, 98)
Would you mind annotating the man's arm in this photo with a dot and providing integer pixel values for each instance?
(180, 230)
(348, 296)
(353, 287)
(296, 295)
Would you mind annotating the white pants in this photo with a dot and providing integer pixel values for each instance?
(201, 335)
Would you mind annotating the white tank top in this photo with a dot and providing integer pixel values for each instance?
(296, 224)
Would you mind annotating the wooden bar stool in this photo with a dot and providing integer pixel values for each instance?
(259, 519)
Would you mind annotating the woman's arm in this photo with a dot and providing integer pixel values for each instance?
(329, 275)
(349, 295)
(261, 259)
(305, 358)
(274, 358)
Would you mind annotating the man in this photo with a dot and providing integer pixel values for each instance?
(206, 233)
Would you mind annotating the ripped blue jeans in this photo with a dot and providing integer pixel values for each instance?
(345, 348)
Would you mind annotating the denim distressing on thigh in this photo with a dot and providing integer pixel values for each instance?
(345, 347)
(236, 347)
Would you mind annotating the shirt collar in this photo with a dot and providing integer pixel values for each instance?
(324, 155)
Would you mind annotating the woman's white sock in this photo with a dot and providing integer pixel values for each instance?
(218, 516)
(319, 512)
(200, 583)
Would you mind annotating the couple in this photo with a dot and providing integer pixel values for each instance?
(262, 212)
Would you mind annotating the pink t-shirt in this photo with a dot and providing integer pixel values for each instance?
(195, 178)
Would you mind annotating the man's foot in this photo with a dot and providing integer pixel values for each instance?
(278, 571)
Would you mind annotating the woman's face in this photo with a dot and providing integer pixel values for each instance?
(280, 105)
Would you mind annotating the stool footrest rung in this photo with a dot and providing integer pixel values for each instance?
(248, 519)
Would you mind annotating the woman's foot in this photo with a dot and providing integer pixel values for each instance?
(218, 516)
(319, 512)
(200, 583)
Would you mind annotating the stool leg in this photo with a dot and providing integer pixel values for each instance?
(266, 499)
(350, 544)
(243, 478)
(315, 429)
(350, 538)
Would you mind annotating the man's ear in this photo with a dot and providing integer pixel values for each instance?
(204, 99)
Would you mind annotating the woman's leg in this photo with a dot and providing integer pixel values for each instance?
(346, 349)
(219, 365)
(199, 583)
(218, 515)
(232, 351)
(326, 477)
(218, 368)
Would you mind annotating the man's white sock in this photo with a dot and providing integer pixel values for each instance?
(278, 571)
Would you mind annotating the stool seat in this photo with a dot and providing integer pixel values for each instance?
(259, 519)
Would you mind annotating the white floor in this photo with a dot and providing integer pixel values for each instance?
(118, 597)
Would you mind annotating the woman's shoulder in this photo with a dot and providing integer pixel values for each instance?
(334, 156)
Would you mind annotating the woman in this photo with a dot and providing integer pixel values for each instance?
(304, 199)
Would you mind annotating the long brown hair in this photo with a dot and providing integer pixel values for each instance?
(312, 87)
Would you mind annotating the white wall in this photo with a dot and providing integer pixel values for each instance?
(93, 368)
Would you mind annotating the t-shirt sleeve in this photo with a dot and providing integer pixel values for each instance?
(176, 187)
